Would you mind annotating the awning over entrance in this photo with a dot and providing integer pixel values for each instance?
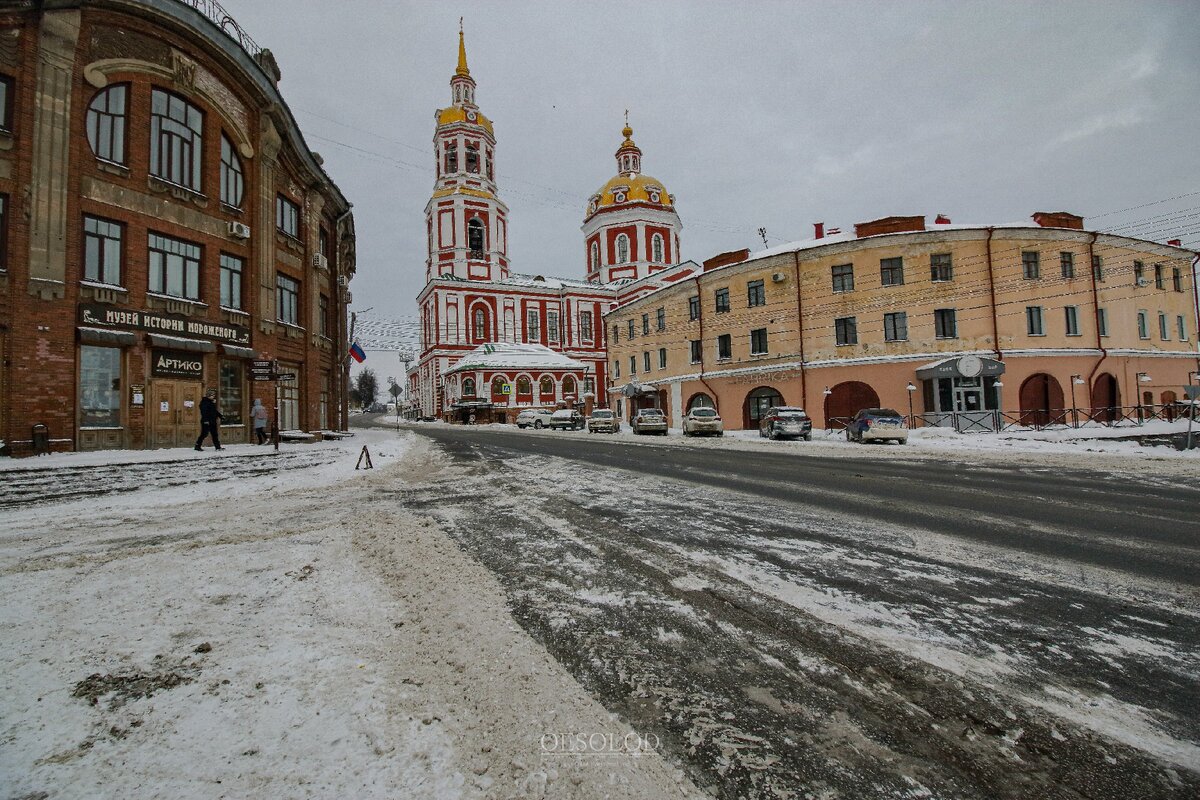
(633, 389)
(969, 366)
(178, 343)
(105, 336)
(238, 352)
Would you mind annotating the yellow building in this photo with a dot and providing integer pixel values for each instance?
(976, 326)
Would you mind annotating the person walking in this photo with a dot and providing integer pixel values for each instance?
(210, 421)
(259, 415)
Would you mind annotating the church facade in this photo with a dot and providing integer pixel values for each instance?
(473, 298)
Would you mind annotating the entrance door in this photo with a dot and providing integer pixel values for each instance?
(174, 413)
(971, 413)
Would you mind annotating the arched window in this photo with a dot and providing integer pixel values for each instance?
(176, 139)
(700, 401)
(468, 387)
(546, 386)
(524, 386)
(498, 384)
(759, 402)
(475, 237)
(232, 183)
(472, 157)
(657, 243)
(479, 317)
(451, 324)
(106, 124)
(569, 386)
(622, 249)
(595, 256)
(451, 157)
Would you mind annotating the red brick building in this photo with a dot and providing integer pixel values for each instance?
(162, 223)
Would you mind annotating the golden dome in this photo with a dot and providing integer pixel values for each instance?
(626, 189)
(453, 114)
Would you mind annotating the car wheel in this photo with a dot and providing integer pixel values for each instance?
(772, 435)
(808, 437)
(537, 423)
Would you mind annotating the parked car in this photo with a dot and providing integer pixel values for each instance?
(534, 418)
(703, 421)
(877, 424)
(567, 419)
(603, 420)
(649, 420)
(785, 422)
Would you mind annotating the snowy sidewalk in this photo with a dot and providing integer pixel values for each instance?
(295, 634)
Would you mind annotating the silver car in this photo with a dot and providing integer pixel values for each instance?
(703, 421)
(877, 425)
(649, 420)
(603, 420)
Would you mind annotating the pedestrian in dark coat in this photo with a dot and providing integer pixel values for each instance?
(210, 421)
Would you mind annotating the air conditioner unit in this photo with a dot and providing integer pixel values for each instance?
(343, 280)
(239, 230)
(349, 297)
(1143, 281)
(778, 277)
(320, 261)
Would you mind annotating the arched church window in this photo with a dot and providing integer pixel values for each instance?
(106, 124)
(468, 387)
(595, 256)
(657, 243)
(568, 385)
(524, 385)
(475, 237)
(451, 157)
(489, 164)
(547, 385)
(472, 157)
(622, 249)
(480, 320)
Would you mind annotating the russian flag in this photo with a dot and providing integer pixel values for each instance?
(357, 353)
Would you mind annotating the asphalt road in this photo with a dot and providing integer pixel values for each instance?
(790, 624)
(1133, 525)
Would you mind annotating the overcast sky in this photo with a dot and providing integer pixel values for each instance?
(754, 114)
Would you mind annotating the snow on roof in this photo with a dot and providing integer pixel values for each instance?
(515, 279)
(505, 355)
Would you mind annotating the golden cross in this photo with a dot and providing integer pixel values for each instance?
(627, 117)
(460, 19)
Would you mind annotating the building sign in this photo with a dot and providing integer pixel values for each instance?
(968, 366)
(95, 315)
(176, 364)
(781, 376)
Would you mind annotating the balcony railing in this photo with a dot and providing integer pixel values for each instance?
(217, 14)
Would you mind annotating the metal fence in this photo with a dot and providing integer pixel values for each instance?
(217, 14)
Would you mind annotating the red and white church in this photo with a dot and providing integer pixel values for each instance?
(494, 341)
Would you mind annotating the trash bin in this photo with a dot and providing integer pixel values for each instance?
(41, 439)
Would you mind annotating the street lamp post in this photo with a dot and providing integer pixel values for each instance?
(1076, 380)
(911, 420)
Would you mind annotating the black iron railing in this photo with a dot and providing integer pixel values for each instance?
(217, 14)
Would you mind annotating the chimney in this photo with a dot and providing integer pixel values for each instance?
(725, 259)
(941, 219)
(889, 225)
(1175, 242)
(1058, 219)
(818, 230)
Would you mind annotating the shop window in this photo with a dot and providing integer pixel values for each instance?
(722, 301)
(287, 217)
(102, 250)
(176, 139)
(843, 277)
(231, 281)
(891, 271)
(230, 399)
(758, 341)
(99, 387)
(233, 183)
(845, 330)
(174, 267)
(106, 123)
(288, 295)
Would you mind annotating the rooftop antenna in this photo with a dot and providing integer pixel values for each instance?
(763, 233)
